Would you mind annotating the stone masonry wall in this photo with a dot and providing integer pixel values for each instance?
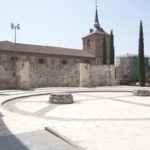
(7, 71)
(124, 69)
(54, 71)
(97, 75)
(23, 72)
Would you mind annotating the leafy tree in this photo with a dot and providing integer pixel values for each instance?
(141, 56)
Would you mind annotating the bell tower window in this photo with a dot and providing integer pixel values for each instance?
(88, 43)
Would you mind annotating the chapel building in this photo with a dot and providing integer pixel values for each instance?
(25, 66)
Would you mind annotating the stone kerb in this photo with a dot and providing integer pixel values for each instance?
(142, 93)
(61, 98)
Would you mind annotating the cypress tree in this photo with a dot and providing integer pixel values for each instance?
(141, 57)
(104, 51)
(112, 49)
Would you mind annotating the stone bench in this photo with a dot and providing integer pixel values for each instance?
(142, 93)
(61, 98)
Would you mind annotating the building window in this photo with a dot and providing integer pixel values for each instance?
(14, 74)
(64, 62)
(13, 58)
(41, 61)
(87, 61)
(88, 43)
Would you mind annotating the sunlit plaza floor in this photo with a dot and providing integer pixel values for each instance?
(100, 118)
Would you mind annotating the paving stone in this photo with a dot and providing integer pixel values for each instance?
(110, 119)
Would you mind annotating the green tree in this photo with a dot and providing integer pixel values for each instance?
(141, 56)
(112, 49)
(104, 51)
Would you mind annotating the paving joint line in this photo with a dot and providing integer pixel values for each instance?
(63, 138)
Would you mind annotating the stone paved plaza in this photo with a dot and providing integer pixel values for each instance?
(100, 118)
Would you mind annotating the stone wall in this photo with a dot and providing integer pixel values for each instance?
(125, 70)
(7, 71)
(54, 71)
(24, 71)
(97, 75)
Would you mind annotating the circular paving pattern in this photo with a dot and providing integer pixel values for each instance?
(94, 106)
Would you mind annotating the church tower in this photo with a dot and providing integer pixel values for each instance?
(97, 42)
(99, 72)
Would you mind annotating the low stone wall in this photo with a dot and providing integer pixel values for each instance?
(142, 93)
(97, 75)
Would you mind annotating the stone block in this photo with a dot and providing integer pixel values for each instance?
(61, 98)
(142, 93)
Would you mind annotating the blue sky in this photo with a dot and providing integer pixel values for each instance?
(64, 22)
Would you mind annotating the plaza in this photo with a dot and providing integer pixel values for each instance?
(108, 117)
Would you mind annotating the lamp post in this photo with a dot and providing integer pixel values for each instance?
(15, 28)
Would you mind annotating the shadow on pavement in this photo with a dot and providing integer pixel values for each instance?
(8, 141)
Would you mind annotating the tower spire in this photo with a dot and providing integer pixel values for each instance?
(97, 24)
